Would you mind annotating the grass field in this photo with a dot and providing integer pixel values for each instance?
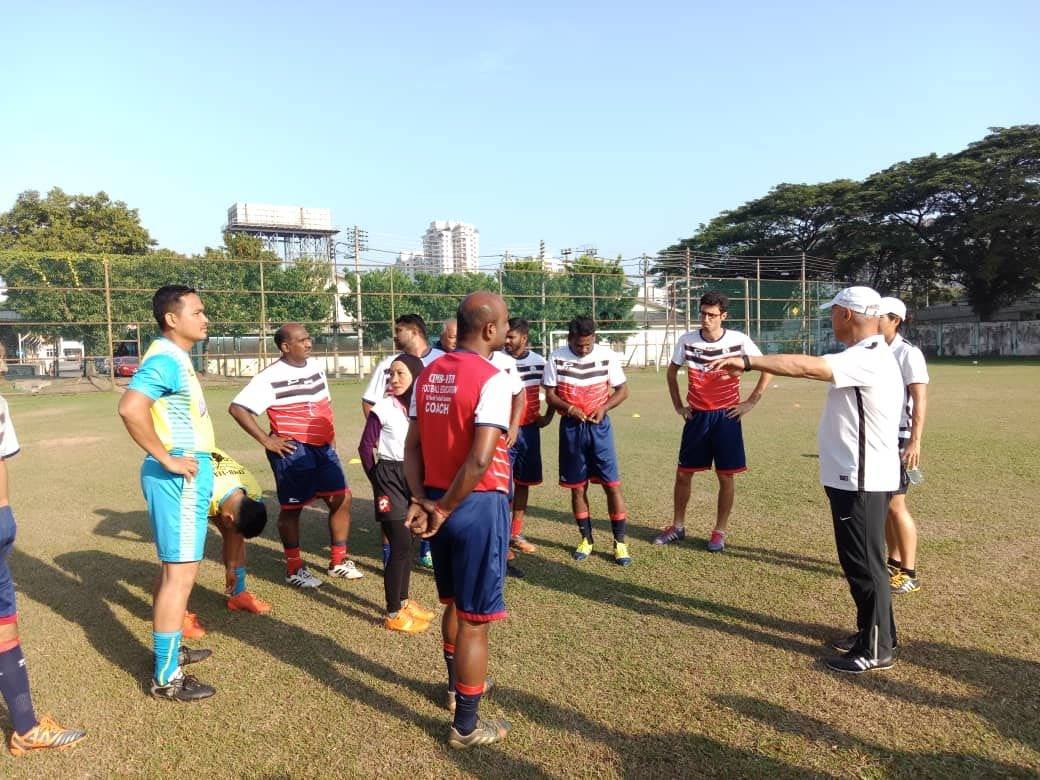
(684, 664)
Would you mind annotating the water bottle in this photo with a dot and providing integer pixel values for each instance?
(915, 476)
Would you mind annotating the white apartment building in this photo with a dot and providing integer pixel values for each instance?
(410, 262)
(451, 247)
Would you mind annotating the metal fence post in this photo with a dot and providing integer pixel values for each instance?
(758, 297)
(263, 321)
(335, 317)
(805, 313)
(687, 255)
(108, 319)
(747, 306)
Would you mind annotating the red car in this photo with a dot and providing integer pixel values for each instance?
(126, 366)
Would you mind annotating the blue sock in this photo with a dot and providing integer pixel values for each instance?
(386, 555)
(466, 706)
(167, 647)
(424, 548)
(14, 684)
(240, 580)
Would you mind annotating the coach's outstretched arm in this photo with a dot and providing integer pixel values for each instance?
(798, 366)
(485, 440)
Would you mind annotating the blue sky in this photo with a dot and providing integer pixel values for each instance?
(621, 125)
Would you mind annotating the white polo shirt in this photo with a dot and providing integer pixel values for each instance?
(915, 372)
(858, 434)
(381, 373)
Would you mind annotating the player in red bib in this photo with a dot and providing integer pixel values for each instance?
(712, 433)
(583, 381)
(458, 470)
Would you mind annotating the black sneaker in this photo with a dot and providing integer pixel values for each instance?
(189, 656)
(185, 687)
(858, 664)
(845, 645)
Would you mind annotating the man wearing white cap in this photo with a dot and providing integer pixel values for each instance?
(859, 461)
(900, 531)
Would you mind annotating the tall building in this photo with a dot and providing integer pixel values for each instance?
(410, 262)
(451, 248)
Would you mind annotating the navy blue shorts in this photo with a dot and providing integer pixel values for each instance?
(587, 454)
(711, 437)
(526, 455)
(306, 473)
(469, 555)
(8, 611)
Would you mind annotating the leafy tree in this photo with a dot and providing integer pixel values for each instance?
(73, 223)
(977, 212)
(790, 220)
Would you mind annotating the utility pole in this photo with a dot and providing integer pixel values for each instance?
(541, 252)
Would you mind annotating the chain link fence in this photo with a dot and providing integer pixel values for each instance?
(70, 321)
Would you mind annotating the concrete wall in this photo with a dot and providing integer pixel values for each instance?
(977, 339)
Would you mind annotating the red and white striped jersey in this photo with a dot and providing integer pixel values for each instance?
(453, 396)
(296, 399)
(585, 381)
(531, 368)
(709, 390)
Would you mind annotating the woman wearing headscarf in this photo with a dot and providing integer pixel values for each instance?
(382, 454)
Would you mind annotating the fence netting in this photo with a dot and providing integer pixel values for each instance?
(71, 316)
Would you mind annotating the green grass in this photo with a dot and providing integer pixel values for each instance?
(684, 664)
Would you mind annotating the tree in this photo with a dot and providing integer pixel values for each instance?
(976, 211)
(792, 219)
(73, 223)
(598, 288)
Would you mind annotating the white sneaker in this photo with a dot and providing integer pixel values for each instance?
(347, 570)
(303, 579)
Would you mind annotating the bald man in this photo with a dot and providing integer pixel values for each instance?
(301, 448)
(460, 484)
(449, 337)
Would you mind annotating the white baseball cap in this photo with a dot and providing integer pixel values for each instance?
(864, 300)
(893, 306)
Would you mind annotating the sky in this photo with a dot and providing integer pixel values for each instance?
(617, 125)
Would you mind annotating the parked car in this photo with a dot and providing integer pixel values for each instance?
(126, 366)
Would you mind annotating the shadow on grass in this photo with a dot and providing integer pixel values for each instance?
(81, 591)
(696, 544)
(893, 762)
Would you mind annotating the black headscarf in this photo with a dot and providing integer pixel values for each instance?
(415, 367)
